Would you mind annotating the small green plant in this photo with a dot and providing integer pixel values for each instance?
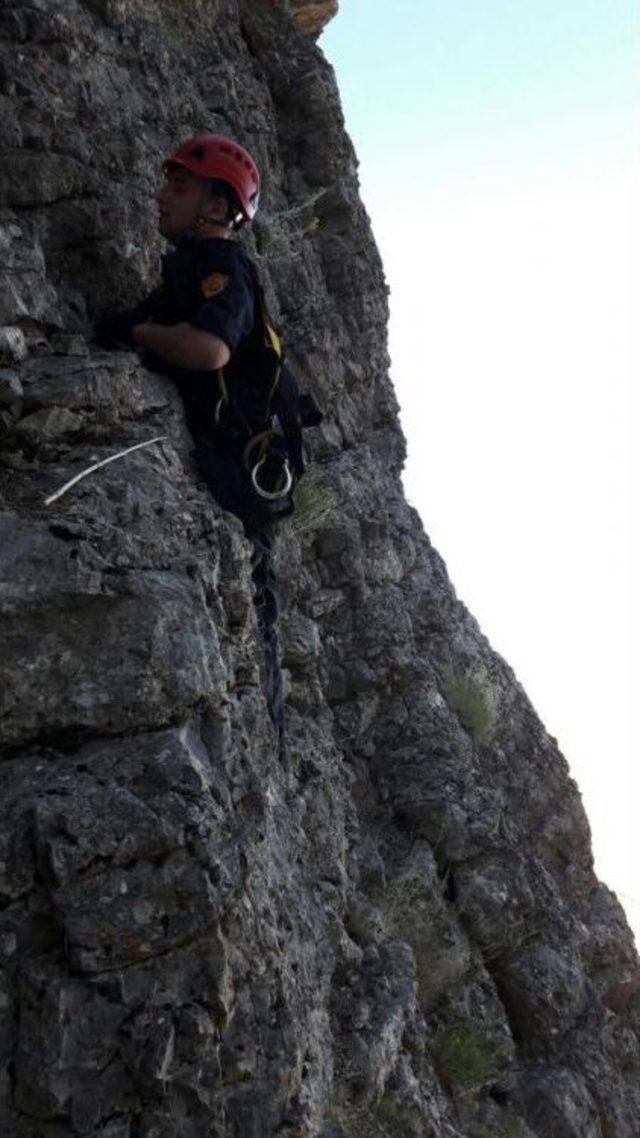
(315, 504)
(398, 1118)
(439, 962)
(474, 701)
(466, 1056)
(299, 207)
(438, 967)
(513, 1126)
(278, 237)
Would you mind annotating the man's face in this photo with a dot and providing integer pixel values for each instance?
(180, 202)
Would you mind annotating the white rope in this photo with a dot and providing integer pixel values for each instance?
(97, 465)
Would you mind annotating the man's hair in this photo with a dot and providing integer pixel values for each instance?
(218, 188)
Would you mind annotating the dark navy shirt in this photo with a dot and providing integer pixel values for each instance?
(208, 284)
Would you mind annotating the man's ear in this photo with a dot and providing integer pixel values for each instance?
(218, 209)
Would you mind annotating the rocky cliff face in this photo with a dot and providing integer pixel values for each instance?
(397, 933)
(314, 15)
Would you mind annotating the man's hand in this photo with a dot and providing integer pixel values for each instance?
(112, 329)
(183, 345)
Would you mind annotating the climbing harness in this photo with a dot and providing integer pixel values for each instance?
(260, 413)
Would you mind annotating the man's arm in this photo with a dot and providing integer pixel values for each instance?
(113, 326)
(183, 345)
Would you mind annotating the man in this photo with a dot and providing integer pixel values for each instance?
(199, 321)
(211, 188)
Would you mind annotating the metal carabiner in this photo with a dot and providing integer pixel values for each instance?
(272, 495)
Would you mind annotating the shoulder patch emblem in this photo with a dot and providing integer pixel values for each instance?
(214, 283)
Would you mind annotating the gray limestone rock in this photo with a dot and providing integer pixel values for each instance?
(398, 930)
(13, 346)
(10, 386)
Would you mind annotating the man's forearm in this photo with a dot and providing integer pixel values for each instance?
(183, 345)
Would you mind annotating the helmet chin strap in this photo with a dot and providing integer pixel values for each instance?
(201, 220)
(193, 231)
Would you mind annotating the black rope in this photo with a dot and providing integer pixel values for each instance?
(265, 598)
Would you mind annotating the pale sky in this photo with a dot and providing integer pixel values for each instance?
(498, 151)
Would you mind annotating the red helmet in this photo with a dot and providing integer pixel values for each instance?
(216, 156)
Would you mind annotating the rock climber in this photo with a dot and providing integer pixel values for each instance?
(199, 322)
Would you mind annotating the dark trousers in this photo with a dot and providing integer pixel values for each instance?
(220, 463)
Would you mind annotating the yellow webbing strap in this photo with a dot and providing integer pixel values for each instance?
(260, 444)
(276, 344)
(274, 339)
